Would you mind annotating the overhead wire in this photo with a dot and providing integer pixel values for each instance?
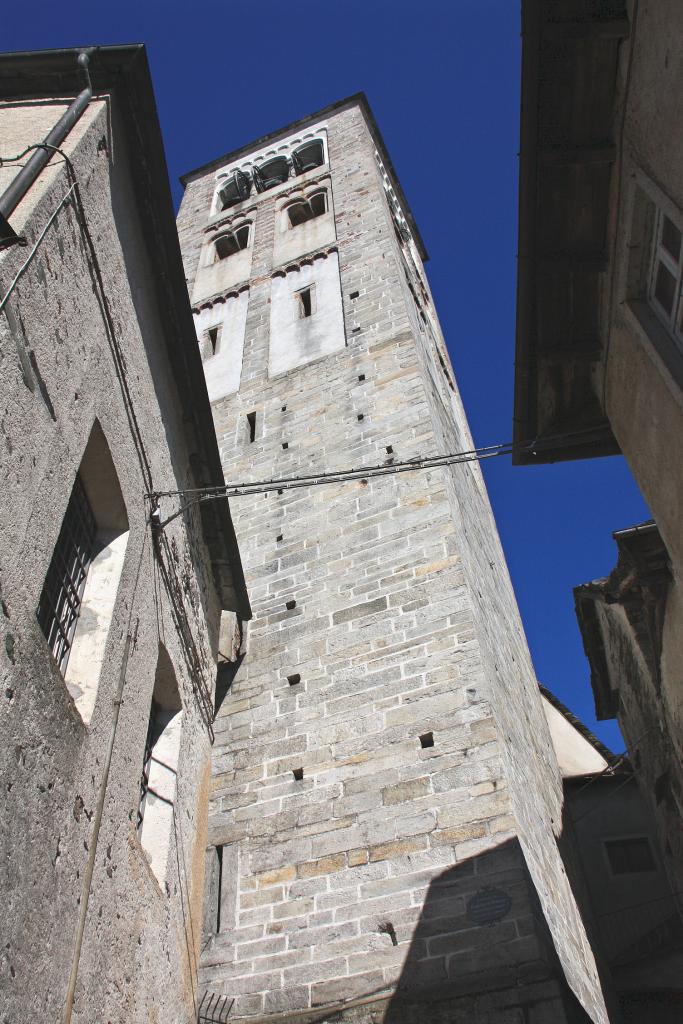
(198, 495)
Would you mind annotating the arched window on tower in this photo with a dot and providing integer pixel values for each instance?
(234, 190)
(303, 210)
(231, 242)
(160, 767)
(308, 156)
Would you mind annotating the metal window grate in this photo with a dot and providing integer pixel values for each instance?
(60, 601)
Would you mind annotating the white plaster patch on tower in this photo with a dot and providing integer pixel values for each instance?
(296, 339)
(216, 275)
(291, 242)
(223, 368)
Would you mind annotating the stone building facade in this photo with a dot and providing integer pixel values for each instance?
(599, 363)
(110, 631)
(385, 799)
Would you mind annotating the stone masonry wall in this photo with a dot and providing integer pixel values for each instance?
(361, 879)
(57, 378)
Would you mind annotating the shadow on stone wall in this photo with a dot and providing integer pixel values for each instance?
(481, 950)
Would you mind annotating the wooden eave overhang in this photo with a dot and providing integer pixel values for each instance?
(569, 82)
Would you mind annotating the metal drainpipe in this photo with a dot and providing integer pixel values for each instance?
(39, 159)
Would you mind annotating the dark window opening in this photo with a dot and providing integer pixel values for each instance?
(236, 188)
(427, 739)
(360, 416)
(251, 421)
(361, 376)
(231, 242)
(307, 209)
(305, 298)
(389, 449)
(290, 605)
(285, 445)
(271, 173)
(308, 156)
(628, 856)
(213, 334)
(354, 295)
(298, 774)
(60, 601)
(279, 490)
(293, 680)
(355, 330)
(278, 538)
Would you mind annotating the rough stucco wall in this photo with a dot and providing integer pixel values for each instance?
(399, 628)
(141, 938)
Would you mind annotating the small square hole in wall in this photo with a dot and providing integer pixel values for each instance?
(293, 680)
(355, 330)
(298, 774)
(278, 538)
(285, 445)
(290, 605)
(280, 490)
(427, 739)
(361, 376)
(361, 416)
(390, 449)
(284, 408)
(354, 295)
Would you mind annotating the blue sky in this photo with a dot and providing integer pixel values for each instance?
(443, 81)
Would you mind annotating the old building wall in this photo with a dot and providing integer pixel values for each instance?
(386, 662)
(59, 379)
(643, 375)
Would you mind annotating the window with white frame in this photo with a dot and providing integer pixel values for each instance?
(666, 273)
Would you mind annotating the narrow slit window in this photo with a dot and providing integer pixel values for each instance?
(251, 425)
(305, 299)
(213, 338)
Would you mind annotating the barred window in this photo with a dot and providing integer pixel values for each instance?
(60, 601)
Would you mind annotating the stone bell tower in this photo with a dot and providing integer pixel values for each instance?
(386, 800)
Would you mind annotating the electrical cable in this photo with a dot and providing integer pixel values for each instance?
(199, 495)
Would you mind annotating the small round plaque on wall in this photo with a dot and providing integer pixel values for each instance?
(488, 906)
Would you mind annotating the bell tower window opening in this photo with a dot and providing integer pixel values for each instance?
(231, 242)
(271, 173)
(60, 601)
(304, 210)
(235, 189)
(308, 156)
